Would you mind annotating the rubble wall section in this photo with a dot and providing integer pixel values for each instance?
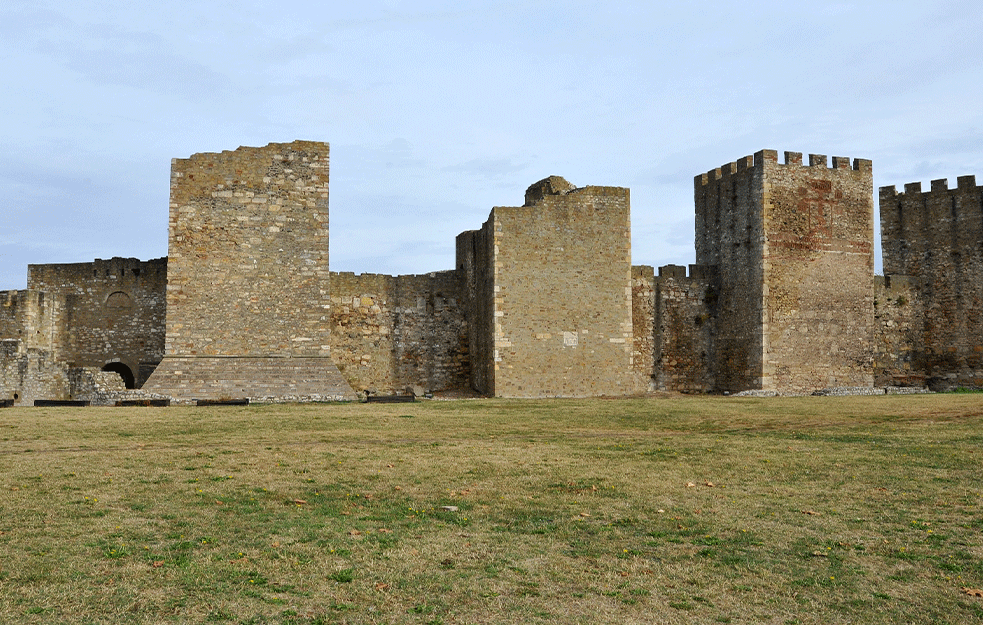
(683, 330)
(643, 313)
(897, 329)
(392, 332)
(29, 373)
(33, 317)
(475, 264)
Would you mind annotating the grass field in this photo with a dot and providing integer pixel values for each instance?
(705, 510)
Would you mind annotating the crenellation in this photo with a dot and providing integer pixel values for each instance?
(542, 301)
(966, 183)
(761, 157)
(934, 237)
(775, 235)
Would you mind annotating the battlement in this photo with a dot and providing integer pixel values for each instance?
(963, 183)
(917, 221)
(762, 158)
(696, 272)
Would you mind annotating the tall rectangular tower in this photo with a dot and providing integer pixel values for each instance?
(934, 236)
(549, 294)
(793, 249)
(247, 278)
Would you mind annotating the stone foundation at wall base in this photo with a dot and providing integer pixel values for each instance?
(261, 379)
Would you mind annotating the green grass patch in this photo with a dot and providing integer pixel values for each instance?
(621, 511)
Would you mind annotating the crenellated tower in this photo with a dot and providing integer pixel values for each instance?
(934, 238)
(791, 246)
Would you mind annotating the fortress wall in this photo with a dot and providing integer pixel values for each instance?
(934, 236)
(730, 237)
(33, 317)
(897, 325)
(819, 271)
(683, 330)
(563, 296)
(115, 311)
(643, 307)
(392, 332)
(793, 246)
(29, 373)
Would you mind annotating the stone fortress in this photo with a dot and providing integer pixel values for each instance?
(543, 300)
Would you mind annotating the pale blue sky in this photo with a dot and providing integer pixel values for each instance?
(437, 111)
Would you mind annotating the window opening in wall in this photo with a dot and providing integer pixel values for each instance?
(124, 372)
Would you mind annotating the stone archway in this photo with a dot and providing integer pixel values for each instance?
(124, 372)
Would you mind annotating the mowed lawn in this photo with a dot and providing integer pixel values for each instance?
(674, 510)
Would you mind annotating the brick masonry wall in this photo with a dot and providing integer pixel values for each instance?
(562, 295)
(934, 237)
(114, 312)
(393, 332)
(683, 324)
(793, 246)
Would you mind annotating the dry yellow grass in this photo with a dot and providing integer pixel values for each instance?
(799, 510)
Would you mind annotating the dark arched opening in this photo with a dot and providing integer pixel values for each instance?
(123, 371)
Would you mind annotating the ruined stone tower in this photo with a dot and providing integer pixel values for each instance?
(248, 300)
(548, 294)
(792, 250)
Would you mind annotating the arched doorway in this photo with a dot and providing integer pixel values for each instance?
(123, 371)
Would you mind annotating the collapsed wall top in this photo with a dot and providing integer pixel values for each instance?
(552, 185)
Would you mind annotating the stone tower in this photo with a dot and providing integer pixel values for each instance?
(248, 299)
(933, 238)
(548, 294)
(792, 249)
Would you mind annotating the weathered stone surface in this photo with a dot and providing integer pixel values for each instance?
(390, 332)
(257, 378)
(543, 300)
(248, 276)
(792, 246)
(683, 331)
(549, 296)
(113, 312)
(931, 241)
